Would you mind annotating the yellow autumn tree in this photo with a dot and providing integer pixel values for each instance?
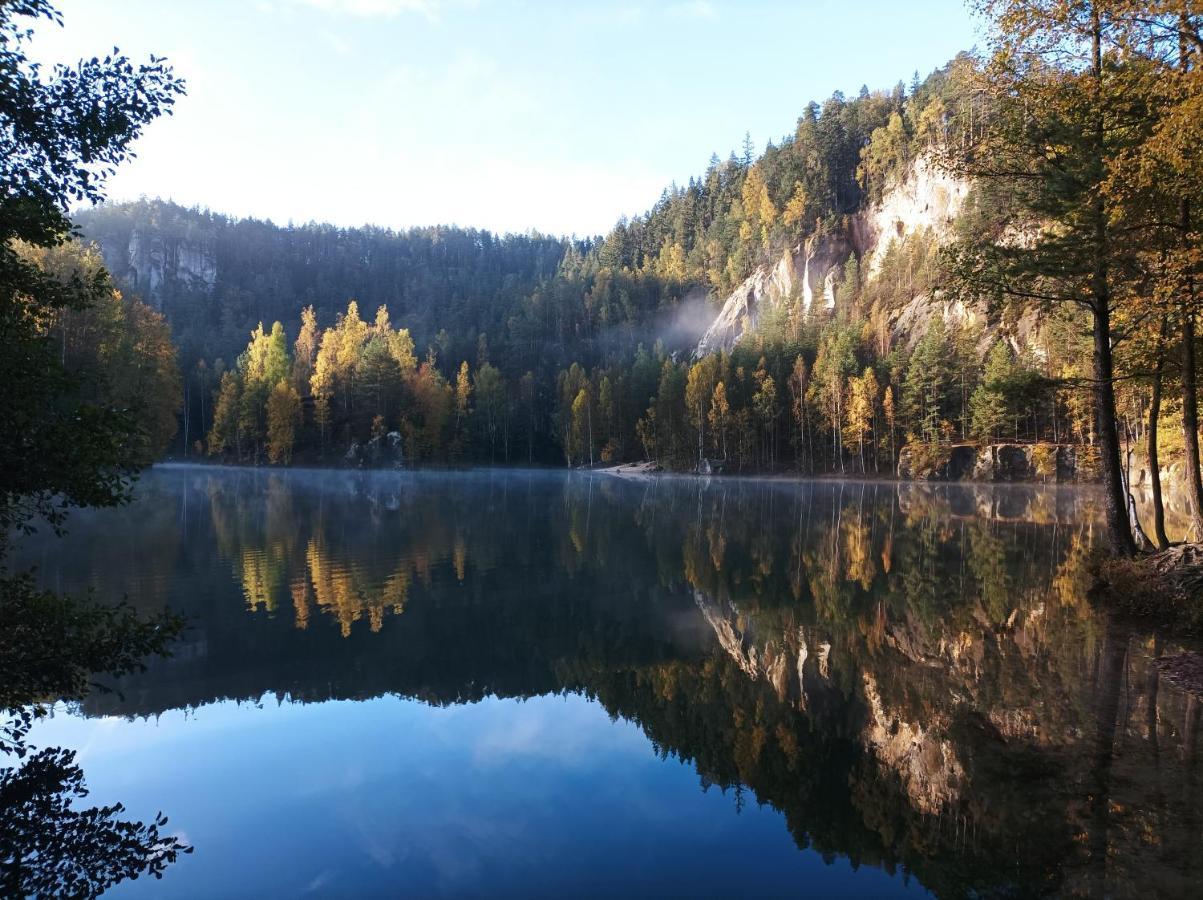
(759, 212)
(305, 349)
(283, 416)
(719, 417)
(795, 208)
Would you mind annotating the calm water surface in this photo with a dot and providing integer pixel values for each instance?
(546, 684)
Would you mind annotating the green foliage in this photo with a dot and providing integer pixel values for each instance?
(989, 407)
(60, 444)
(926, 393)
(91, 388)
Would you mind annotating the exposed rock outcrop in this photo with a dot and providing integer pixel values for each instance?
(1044, 463)
(928, 199)
(151, 263)
(781, 661)
(806, 272)
(920, 753)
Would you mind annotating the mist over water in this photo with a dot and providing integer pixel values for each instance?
(542, 683)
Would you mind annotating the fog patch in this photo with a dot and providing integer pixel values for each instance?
(683, 326)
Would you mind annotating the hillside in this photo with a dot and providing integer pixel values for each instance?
(781, 311)
(920, 205)
(216, 277)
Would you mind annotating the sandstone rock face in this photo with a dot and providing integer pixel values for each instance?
(153, 262)
(1033, 463)
(928, 199)
(780, 660)
(806, 272)
(923, 757)
(796, 664)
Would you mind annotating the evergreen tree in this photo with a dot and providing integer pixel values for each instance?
(989, 407)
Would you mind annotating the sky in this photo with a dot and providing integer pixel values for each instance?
(509, 115)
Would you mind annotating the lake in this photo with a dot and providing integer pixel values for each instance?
(546, 684)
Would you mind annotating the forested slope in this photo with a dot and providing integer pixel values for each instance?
(619, 306)
(1003, 251)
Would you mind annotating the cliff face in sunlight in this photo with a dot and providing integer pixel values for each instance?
(807, 271)
(923, 205)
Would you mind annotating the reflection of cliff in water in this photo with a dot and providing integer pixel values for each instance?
(910, 673)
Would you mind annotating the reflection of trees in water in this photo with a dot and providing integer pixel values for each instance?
(987, 689)
(50, 844)
(911, 674)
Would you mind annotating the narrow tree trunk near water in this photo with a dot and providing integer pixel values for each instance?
(1154, 462)
(1190, 427)
(1115, 507)
(1190, 402)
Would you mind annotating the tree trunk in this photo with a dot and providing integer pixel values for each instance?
(1119, 529)
(1190, 426)
(1115, 506)
(1154, 463)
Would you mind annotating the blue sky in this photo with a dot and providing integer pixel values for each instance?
(556, 116)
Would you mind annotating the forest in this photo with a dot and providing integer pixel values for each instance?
(1058, 309)
(1076, 253)
(525, 349)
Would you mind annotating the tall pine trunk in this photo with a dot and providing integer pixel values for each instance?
(1115, 507)
(1190, 396)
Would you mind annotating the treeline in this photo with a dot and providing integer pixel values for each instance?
(799, 394)
(811, 395)
(215, 277)
(842, 154)
(579, 376)
(542, 304)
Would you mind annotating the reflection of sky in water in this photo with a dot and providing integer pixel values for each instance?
(910, 673)
(392, 796)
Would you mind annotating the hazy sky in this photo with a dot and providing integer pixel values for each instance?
(557, 116)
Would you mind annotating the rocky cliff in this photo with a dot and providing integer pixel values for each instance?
(153, 263)
(1048, 463)
(926, 200)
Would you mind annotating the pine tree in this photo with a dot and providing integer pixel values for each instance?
(225, 435)
(928, 377)
(988, 406)
(1059, 117)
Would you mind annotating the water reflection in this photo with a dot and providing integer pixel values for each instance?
(910, 674)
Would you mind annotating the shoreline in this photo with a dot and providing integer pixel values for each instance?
(632, 471)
